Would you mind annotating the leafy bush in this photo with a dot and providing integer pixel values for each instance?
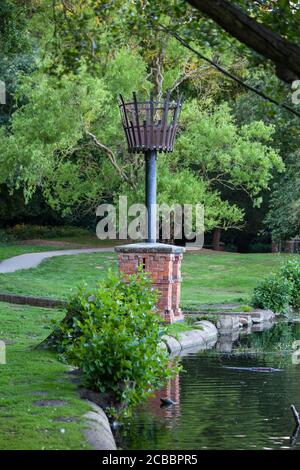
(273, 293)
(6, 237)
(112, 334)
(291, 272)
(27, 231)
(280, 291)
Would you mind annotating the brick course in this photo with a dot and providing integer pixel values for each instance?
(165, 271)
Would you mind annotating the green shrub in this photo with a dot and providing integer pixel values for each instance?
(27, 231)
(280, 291)
(291, 272)
(112, 334)
(273, 293)
(5, 237)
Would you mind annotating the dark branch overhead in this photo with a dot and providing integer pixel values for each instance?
(284, 54)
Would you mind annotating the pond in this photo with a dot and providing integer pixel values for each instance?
(222, 408)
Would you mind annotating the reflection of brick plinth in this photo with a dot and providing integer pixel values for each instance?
(163, 263)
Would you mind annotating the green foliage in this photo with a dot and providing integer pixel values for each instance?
(6, 237)
(53, 150)
(112, 334)
(213, 152)
(281, 290)
(26, 231)
(13, 37)
(273, 293)
(225, 153)
(78, 158)
(284, 214)
(291, 272)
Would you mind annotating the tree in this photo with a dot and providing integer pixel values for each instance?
(77, 158)
(279, 211)
(284, 54)
(212, 152)
(283, 218)
(77, 155)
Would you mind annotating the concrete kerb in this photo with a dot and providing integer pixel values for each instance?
(97, 429)
(205, 335)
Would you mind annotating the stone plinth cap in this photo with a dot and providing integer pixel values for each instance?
(149, 248)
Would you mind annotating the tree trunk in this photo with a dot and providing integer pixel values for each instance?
(284, 54)
(216, 239)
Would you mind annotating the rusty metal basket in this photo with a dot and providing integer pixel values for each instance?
(150, 125)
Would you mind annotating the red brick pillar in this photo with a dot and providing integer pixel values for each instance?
(163, 263)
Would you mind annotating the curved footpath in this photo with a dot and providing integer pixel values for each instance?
(32, 260)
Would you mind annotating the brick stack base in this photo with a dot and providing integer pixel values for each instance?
(163, 263)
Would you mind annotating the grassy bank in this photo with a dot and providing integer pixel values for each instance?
(208, 277)
(30, 376)
(225, 277)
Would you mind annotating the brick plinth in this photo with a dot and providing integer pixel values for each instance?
(163, 263)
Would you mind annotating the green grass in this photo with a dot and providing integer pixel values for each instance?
(58, 277)
(224, 277)
(179, 327)
(27, 371)
(8, 251)
(207, 277)
(86, 241)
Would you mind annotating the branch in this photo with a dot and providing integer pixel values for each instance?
(111, 157)
(284, 54)
(159, 76)
(67, 7)
(187, 76)
(229, 74)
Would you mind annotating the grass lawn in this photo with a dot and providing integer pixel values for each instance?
(208, 277)
(26, 374)
(86, 241)
(225, 277)
(8, 251)
(57, 277)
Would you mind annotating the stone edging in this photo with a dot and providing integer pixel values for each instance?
(45, 302)
(204, 336)
(98, 432)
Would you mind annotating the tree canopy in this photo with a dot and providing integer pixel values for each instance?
(61, 134)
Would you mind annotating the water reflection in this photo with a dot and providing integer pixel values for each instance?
(220, 408)
(172, 391)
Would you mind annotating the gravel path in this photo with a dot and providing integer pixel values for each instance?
(32, 260)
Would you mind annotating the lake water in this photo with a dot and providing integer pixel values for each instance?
(220, 408)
